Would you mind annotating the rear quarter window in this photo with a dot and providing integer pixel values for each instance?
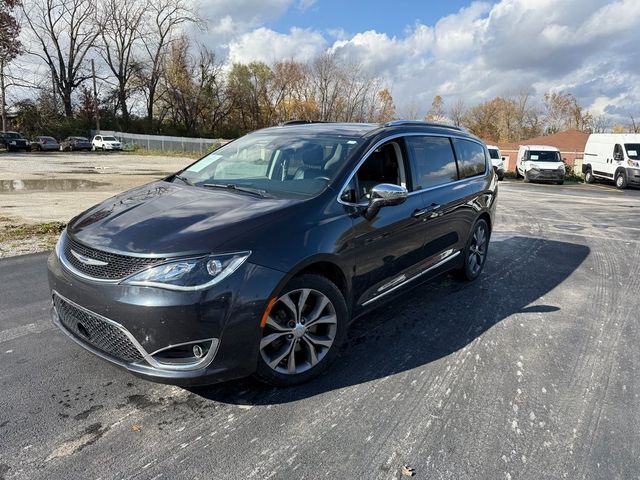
(471, 157)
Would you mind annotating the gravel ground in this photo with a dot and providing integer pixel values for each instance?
(531, 372)
(47, 187)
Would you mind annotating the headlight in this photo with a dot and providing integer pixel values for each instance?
(533, 166)
(631, 163)
(189, 274)
(561, 167)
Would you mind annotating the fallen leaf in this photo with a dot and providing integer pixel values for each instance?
(136, 428)
(408, 471)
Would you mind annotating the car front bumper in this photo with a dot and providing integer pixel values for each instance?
(545, 175)
(142, 321)
(633, 176)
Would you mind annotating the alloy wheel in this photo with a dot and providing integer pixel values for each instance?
(477, 249)
(299, 332)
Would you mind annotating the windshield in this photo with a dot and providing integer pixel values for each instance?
(274, 162)
(544, 156)
(13, 135)
(493, 153)
(82, 139)
(109, 139)
(633, 150)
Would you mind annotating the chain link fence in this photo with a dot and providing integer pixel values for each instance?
(163, 143)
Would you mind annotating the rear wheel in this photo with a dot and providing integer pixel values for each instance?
(303, 331)
(621, 180)
(475, 253)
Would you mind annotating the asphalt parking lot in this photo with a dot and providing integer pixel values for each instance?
(530, 372)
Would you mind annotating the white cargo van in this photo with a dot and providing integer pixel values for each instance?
(540, 163)
(496, 161)
(614, 157)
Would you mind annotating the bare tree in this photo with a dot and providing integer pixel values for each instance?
(193, 86)
(65, 32)
(457, 112)
(120, 30)
(633, 126)
(160, 30)
(327, 81)
(10, 48)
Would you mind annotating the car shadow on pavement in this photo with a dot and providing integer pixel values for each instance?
(431, 321)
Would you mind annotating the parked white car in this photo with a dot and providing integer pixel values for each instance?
(614, 157)
(100, 142)
(496, 161)
(540, 163)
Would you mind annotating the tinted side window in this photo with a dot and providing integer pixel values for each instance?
(471, 157)
(433, 160)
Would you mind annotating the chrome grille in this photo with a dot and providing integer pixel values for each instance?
(95, 331)
(117, 266)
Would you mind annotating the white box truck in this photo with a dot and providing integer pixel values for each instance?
(614, 157)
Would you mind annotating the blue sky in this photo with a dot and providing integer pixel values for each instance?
(392, 18)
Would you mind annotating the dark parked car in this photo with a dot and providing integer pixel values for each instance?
(14, 141)
(254, 259)
(70, 144)
(43, 144)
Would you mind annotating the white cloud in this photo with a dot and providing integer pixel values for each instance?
(588, 47)
(268, 46)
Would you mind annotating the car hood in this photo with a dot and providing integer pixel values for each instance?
(163, 219)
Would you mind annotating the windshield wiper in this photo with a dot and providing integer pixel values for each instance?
(240, 188)
(184, 179)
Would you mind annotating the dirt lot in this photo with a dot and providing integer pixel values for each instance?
(40, 192)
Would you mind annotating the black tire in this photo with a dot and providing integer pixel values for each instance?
(468, 272)
(501, 177)
(588, 176)
(517, 173)
(621, 180)
(323, 286)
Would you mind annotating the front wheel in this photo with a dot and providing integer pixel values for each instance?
(621, 180)
(303, 331)
(475, 253)
(588, 176)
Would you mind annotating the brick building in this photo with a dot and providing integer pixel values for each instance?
(571, 144)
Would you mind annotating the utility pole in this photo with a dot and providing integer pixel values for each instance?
(95, 95)
(3, 97)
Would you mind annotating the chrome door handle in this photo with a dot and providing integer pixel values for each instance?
(432, 210)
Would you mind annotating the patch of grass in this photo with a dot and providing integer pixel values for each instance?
(12, 231)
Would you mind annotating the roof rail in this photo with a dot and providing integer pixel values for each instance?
(300, 122)
(396, 123)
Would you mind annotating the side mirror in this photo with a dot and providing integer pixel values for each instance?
(384, 195)
(617, 157)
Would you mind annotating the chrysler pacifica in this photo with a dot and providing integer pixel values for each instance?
(254, 259)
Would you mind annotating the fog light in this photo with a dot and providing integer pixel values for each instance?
(197, 351)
